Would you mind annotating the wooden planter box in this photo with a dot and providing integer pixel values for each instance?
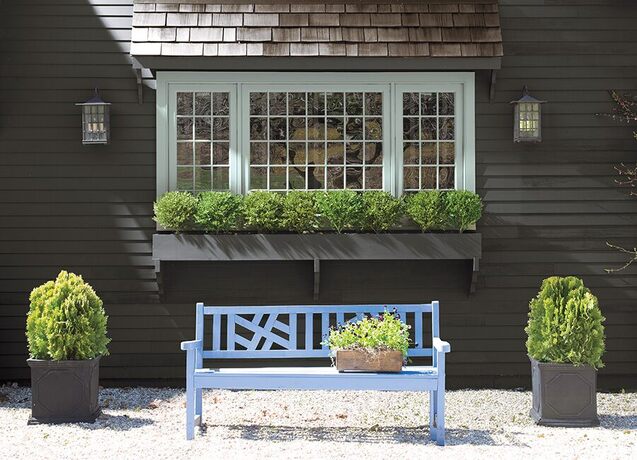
(365, 361)
(184, 247)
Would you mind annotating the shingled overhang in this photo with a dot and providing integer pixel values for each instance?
(200, 34)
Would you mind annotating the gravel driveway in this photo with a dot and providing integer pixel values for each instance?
(149, 423)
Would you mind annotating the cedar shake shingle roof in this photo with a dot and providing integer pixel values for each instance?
(469, 28)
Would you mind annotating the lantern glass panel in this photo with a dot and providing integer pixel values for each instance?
(95, 124)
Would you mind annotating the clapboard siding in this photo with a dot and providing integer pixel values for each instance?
(549, 208)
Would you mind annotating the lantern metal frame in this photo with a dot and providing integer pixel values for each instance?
(96, 120)
(527, 118)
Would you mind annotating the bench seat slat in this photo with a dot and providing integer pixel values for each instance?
(256, 354)
(315, 378)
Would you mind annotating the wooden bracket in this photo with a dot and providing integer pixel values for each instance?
(317, 278)
(140, 86)
(474, 275)
(160, 278)
(494, 74)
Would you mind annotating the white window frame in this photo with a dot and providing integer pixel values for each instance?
(391, 84)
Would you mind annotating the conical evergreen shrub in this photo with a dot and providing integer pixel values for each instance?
(565, 324)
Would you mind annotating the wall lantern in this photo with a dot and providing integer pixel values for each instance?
(527, 118)
(96, 122)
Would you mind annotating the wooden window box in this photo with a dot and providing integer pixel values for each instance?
(171, 247)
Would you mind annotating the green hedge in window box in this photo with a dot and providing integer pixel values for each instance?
(313, 211)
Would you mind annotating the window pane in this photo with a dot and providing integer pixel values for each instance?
(184, 178)
(307, 140)
(203, 179)
(220, 178)
(184, 103)
(220, 153)
(221, 129)
(184, 128)
(373, 103)
(202, 128)
(373, 178)
(296, 104)
(258, 103)
(184, 153)
(202, 153)
(221, 103)
(428, 140)
(203, 104)
(258, 153)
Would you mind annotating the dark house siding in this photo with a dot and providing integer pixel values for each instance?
(550, 208)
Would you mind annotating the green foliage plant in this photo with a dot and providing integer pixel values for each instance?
(176, 210)
(381, 211)
(373, 333)
(342, 209)
(427, 210)
(300, 212)
(262, 211)
(66, 320)
(218, 212)
(565, 324)
(462, 209)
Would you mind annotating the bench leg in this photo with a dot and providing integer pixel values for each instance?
(432, 414)
(440, 417)
(198, 406)
(190, 395)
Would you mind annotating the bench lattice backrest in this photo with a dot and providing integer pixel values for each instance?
(291, 331)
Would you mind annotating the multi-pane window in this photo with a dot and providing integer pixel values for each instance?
(428, 135)
(203, 140)
(316, 140)
(398, 132)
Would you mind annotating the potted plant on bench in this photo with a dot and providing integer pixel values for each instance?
(565, 344)
(372, 344)
(66, 333)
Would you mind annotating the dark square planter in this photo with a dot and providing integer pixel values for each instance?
(564, 394)
(64, 391)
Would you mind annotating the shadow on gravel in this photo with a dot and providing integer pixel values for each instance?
(618, 422)
(116, 423)
(373, 435)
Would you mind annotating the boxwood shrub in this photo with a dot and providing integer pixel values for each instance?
(427, 210)
(219, 212)
(300, 212)
(342, 209)
(308, 211)
(66, 320)
(262, 211)
(176, 210)
(565, 324)
(462, 209)
(381, 211)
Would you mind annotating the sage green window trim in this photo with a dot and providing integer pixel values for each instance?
(392, 85)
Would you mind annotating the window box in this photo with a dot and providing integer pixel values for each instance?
(317, 247)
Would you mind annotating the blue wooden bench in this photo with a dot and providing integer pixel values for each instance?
(272, 332)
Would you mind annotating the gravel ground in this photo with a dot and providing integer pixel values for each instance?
(149, 423)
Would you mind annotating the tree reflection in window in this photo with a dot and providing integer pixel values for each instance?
(316, 140)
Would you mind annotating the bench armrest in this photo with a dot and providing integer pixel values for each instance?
(191, 345)
(441, 346)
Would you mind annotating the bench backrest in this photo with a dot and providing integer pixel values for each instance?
(289, 331)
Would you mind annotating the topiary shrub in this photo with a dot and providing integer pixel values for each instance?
(381, 211)
(218, 212)
(462, 209)
(300, 212)
(66, 320)
(262, 211)
(565, 324)
(342, 209)
(427, 210)
(176, 210)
